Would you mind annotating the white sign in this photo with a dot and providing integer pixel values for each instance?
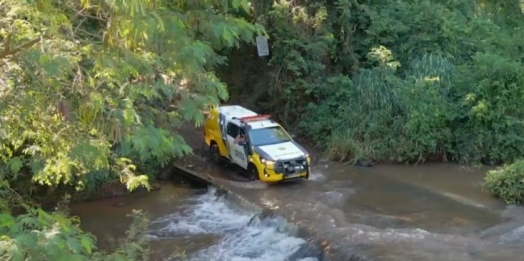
(262, 46)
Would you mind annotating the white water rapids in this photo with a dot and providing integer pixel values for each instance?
(240, 236)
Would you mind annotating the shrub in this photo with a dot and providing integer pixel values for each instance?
(507, 182)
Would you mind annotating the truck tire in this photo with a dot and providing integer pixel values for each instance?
(214, 153)
(252, 172)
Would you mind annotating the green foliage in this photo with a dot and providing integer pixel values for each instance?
(373, 116)
(91, 92)
(397, 81)
(507, 182)
(94, 76)
(84, 78)
(35, 234)
(491, 87)
(38, 235)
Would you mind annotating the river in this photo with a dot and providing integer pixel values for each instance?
(429, 212)
(199, 225)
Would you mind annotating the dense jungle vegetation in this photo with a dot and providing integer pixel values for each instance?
(395, 81)
(91, 91)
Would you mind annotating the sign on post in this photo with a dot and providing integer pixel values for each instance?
(262, 46)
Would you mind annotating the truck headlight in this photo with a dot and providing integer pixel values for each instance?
(268, 163)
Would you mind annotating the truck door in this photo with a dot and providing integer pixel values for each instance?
(237, 153)
(222, 124)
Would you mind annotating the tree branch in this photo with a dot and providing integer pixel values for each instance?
(7, 47)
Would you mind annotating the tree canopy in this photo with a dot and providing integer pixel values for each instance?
(394, 81)
(90, 92)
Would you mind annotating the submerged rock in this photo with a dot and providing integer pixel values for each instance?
(260, 217)
(220, 192)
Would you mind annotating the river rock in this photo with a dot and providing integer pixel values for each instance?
(155, 186)
(364, 163)
(260, 217)
(220, 192)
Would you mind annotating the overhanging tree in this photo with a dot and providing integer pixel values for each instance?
(91, 89)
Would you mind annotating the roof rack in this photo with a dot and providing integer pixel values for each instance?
(260, 117)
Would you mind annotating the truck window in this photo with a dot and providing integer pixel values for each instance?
(232, 130)
(268, 136)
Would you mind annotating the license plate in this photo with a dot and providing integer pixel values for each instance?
(292, 176)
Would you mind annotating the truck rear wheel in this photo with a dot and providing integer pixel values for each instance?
(214, 152)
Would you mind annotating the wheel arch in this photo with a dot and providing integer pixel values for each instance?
(257, 169)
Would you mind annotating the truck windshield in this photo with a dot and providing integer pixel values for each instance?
(267, 136)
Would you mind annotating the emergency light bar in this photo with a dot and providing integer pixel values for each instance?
(254, 118)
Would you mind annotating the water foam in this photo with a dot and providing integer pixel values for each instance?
(316, 176)
(244, 236)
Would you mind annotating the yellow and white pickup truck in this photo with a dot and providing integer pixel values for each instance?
(255, 143)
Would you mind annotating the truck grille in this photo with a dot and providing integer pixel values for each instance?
(291, 166)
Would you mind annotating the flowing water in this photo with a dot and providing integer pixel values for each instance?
(433, 212)
(430, 212)
(205, 227)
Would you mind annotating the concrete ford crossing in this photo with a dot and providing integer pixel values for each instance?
(255, 143)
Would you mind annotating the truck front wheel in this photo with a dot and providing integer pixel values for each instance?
(252, 172)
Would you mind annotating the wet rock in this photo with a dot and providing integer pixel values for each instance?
(257, 218)
(365, 163)
(155, 187)
(220, 192)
